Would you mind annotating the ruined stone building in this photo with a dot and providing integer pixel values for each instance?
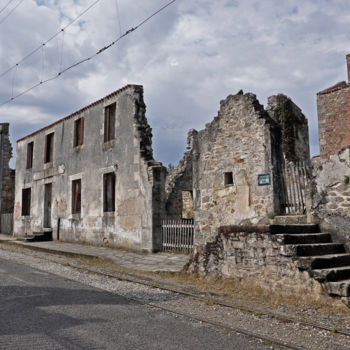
(333, 108)
(91, 176)
(331, 170)
(233, 166)
(7, 180)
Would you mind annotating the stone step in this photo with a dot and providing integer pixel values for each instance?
(39, 236)
(303, 238)
(333, 274)
(292, 229)
(290, 219)
(311, 249)
(341, 288)
(323, 261)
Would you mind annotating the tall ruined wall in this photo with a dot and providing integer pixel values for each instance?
(228, 156)
(333, 108)
(7, 176)
(179, 184)
(294, 128)
(331, 194)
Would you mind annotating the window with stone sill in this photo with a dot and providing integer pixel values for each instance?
(228, 178)
(78, 132)
(30, 149)
(109, 123)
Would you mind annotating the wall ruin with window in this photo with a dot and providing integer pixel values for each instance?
(106, 185)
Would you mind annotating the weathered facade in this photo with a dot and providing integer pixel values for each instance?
(91, 176)
(333, 108)
(7, 180)
(233, 165)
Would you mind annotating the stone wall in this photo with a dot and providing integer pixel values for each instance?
(139, 180)
(252, 255)
(294, 128)
(228, 156)
(331, 194)
(333, 108)
(179, 185)
(7, 176)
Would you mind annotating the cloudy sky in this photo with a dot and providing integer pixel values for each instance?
(188, 58)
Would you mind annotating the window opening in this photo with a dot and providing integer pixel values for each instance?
(109, 122)
(109, 192)
(228, 178)
(49, 148)
(26, 199)
(78, 132)
(30, 149)
(76, 196)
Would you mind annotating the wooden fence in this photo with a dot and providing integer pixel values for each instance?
(6, 221)
(177, 235)
(294, 184)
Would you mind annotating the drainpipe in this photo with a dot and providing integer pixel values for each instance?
(1, 171)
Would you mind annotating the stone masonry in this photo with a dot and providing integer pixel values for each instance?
(91, 176)
(7, 175)
(333, 108)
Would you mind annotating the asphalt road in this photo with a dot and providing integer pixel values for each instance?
(39, 310)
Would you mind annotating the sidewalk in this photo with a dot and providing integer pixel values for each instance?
(126, 259)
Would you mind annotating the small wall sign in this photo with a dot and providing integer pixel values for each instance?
(264, 179)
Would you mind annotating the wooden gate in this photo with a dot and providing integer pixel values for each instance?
(177, 235)
(294, 184)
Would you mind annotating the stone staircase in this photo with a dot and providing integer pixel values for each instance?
(314, 251)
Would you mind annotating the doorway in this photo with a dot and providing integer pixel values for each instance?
(47, 205)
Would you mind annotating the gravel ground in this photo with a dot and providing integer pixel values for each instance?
(259, 323)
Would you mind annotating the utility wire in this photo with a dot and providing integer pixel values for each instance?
(5, 18)
(31, 53)
(90, 57)
(5, 7)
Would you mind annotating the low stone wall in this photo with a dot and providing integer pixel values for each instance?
(251, 254)
(331, 194)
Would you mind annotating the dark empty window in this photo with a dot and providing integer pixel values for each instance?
(30, 149)
(76, 196)
(109, 122)
(228, 178)
(109, 192)
(48, 148)
(26, 198)
(79, 132)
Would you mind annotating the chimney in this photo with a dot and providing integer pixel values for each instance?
(348, 66)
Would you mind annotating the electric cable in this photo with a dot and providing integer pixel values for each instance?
(6, 6)
(13, 9)
(132, 29)
(31, 53)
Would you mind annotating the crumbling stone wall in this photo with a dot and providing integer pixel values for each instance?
(228, 155)
(252, 255)
(331, 194)
(294, 142)
(333, 108)
(7, 175)
(179, 185)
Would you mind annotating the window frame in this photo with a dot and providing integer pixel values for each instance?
(78, 138)
(49, 146)
(76, 196)
(26, 201)
(228, 178)
(109, 180)
(30, 155)
(109, 122)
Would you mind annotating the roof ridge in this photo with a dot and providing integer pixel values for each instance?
(80, 110)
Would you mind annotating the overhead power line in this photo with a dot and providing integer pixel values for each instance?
(132, 29)
(6, 6)
(5, 18)
(31, 53)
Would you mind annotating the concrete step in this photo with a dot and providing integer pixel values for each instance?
(297, 250)
(332, 274)
(323, 261)
(303, 238)
(292, 229)
(341, 288)
(290, 219)
(39, 236)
